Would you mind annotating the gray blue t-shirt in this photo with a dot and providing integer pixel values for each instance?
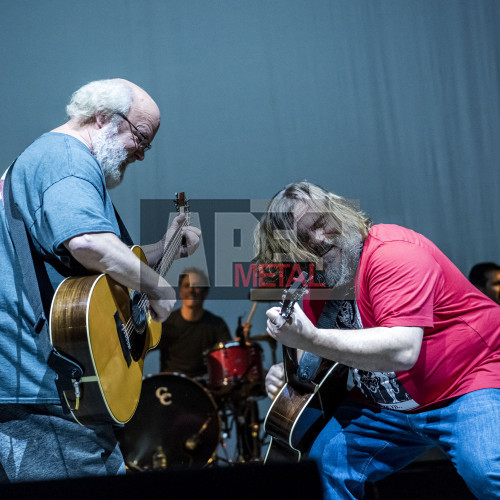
(61, 192)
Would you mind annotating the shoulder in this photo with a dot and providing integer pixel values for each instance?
(212, 318)
(387, 233)
(390, 240)
(175, 316)
(54, 157)
(390, 248)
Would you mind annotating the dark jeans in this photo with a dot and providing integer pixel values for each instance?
(361, 444)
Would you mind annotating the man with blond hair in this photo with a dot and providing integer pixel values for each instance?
(422, 343)
(59, 185)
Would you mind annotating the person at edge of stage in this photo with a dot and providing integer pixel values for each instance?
(60, 184)
(421, 341)
(486, 277)
(191, 331)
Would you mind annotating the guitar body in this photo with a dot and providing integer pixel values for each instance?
(305, 404)
(88, 318)
(301, 410)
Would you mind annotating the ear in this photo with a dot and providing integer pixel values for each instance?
(100, 120)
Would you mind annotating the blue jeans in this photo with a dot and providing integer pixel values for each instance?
(41, 442)
(362, 444)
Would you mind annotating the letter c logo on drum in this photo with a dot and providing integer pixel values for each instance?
(164, 397)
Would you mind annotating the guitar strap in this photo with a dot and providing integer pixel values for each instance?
(341, 314)
(33, 270)
(124, 234)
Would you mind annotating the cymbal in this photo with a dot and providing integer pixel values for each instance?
(265, 337)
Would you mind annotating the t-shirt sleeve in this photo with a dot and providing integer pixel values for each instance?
(403, 279)
(219, 331)
(82, 207)
(223, 334)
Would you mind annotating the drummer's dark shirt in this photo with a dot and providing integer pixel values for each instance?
(183, 342)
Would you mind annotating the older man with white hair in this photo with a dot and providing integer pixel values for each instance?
(59, 186)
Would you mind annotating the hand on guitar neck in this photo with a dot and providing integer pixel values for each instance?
(296, 331)
(278, 317)
(292, 332)
(190, 241)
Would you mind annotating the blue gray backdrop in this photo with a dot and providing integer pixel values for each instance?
(395, 103)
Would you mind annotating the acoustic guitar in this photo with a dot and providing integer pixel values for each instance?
(303, 407)
(107, 329)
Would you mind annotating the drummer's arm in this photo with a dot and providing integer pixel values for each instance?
(245, 331)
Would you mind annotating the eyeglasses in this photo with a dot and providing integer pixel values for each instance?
(145, 145)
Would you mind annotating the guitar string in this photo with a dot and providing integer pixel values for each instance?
(161, 267)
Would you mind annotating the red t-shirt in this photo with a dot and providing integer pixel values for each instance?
(403, 279)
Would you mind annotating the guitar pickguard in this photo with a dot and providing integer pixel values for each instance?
(123, 337)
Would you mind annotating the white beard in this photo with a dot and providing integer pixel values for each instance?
(110, 153)
(339, 274)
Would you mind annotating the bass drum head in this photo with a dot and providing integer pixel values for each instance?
(174, 412)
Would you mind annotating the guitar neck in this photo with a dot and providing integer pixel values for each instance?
(291, 363)
(172, 247)
(165, 262)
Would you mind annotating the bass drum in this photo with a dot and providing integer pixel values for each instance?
(176, 413)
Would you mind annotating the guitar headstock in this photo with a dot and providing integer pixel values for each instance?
(182, 204)
(293, 294)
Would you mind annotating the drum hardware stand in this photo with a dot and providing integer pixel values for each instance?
(265, 337)
(241, 404)
(248, 430)
(193, 442)
(224, 409)
(245, 418)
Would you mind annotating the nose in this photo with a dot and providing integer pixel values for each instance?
(319, 236)
(139, 154)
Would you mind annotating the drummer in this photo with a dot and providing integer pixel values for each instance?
(191, 330)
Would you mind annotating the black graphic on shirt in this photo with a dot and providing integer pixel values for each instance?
(384, 389)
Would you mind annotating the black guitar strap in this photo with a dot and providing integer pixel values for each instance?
(124, 234)
(38, 288)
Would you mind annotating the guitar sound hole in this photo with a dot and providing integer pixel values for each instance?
(139, 319)
(138, 312)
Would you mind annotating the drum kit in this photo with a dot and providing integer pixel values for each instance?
(184, 422)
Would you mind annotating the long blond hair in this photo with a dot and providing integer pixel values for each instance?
(275, 236)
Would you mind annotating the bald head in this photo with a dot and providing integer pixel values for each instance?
(106, 98)
(143, 112)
